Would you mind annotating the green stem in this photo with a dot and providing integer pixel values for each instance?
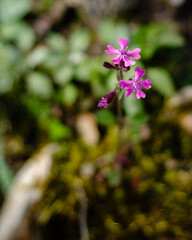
(119, 109)
(119, 75)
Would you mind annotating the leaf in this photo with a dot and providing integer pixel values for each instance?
(57, 130)
(56, 41)
(6, 82)
(38, 108)
(69, 94)
(12, 11)
(161, 81)
(109, 32)
(105, 117)
(20, 33)
(132, 105)
(54, 59)
(153, 36)
(83, 71)
(80, 40)
(37, 56)
(64, 75)
(6, 174)
(134, 110)
(10, 61)
(39, 85)
(171, 39)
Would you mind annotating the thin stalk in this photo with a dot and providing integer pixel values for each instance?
(119, 109)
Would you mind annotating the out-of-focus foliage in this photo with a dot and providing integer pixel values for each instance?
(137, 178)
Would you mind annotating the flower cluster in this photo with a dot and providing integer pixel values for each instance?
(122, 62)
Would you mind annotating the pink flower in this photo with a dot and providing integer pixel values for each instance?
(106, 100)
(136, 84)
(122, 56)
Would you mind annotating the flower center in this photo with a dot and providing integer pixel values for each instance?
(123, 52)
(137, 85)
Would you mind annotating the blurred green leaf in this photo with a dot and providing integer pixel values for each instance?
(54, 59)
(105, 117)
(6, 82)
(132, 106)
(153, 36)
(134, 110)
(68, 95)
(161, 81)
(25, 37)
(172, 39)
(20, 33)
(6, 174)
(39, 85)
(64, 75)
(9, 67)
(83, 71)
(57, 42)
(76, 58)
(37, 56)
(11, 11)
(79, 40)
(9, 58)
(38, 108)
(109, 32)
(57, 130)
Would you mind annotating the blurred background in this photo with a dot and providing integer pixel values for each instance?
(69, 170)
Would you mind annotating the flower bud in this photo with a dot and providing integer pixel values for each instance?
(108, 65)
(106, 100)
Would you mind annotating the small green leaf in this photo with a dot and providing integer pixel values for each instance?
(56, 41)
(6, 173)
(11, 11)
(80, 40)
(109, 32)
(134, 110)
(161, 81)
(38, 108)
(6, 82)
(153, 36)
(132, 105)
(69, 94)
(171, 39)
(57, 130)
(39, 85)
(105, 117)
(37, 56)
(63, 75)
(83, 71)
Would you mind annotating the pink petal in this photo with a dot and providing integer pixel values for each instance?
(111, 50)
(116, 60)
(134, 53)
(140, 94)
(149, 80)
(123, 43)
(146, 83)
(128, 92)
(124, 84)
(128, 62)
(139, 73)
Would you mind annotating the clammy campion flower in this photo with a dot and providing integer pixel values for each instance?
(122, 55)
(136, 84)
(106, 99)
(122, 62)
